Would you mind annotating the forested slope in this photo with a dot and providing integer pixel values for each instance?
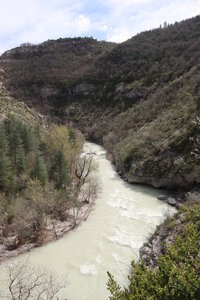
(43, 74)
(43, 180)
(139, 98)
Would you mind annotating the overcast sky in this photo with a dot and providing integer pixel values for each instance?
(112, 20)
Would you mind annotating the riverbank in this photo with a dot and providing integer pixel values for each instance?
(166, 233)
(123, 218)
(174, 273)
(54, 230)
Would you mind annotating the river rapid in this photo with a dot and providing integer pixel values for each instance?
(124, 215)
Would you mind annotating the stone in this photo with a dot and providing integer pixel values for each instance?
(171, 201)
(162, 197)
(84, 89)
(133, 95)
(11, 243)
(119, 87)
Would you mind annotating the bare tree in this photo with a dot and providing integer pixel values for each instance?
(83, 167)
(89, 191)
(28, 283)
(75, 215)
(84, 184)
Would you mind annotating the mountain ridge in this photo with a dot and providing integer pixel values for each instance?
(140, 98)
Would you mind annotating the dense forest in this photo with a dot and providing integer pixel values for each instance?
(42, 174)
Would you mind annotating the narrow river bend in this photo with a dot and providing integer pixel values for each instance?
(123, 217)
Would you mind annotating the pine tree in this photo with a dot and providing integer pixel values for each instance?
(5, 172)
(59, 170)
(27, 139)
(13, 131)
(20, 160)
(40, 171)
(3, 139)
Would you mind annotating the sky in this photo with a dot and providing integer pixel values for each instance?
(35, 21)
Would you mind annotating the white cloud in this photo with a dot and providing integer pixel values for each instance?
(136, 16)
(82, 24)
(115, 20)
(124, 3)
(118, 35)
(36, 20)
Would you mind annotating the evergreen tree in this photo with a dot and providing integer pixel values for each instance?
(72, 135)
(13, 131)
(27, 139)
(59, 170)
(3, 139)
(20, 160)
(5, 172)
(39, 171)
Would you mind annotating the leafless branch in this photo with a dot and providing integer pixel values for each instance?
(28, 283)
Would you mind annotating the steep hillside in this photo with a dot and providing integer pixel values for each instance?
(19, 110)
(139, 98)
(42, 73)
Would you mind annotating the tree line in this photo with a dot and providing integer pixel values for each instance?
(25, 154)
(42, 174)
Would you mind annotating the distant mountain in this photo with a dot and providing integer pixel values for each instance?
(140, 98)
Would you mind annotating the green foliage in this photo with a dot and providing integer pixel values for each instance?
(177, 275)
(27, 138)
(20, 160)
(26, 151)
(131, 154)
(5, 172)
(39, 170)
(35, 179)
(59, 170)
(114, 288)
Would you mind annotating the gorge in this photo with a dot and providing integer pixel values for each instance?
(140, 100)
(124, 216)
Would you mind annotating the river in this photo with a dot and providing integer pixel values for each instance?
(123, 217)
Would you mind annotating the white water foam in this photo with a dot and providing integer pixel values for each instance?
(123, 239)
(118, 204)
(99, 259)
(88, 269)
(130, 215)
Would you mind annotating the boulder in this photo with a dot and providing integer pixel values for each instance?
(119, 87)
(84, 89)
(171, 201)
(162, 197)
(12, 243)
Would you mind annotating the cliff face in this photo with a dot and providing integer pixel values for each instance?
(139, 98)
